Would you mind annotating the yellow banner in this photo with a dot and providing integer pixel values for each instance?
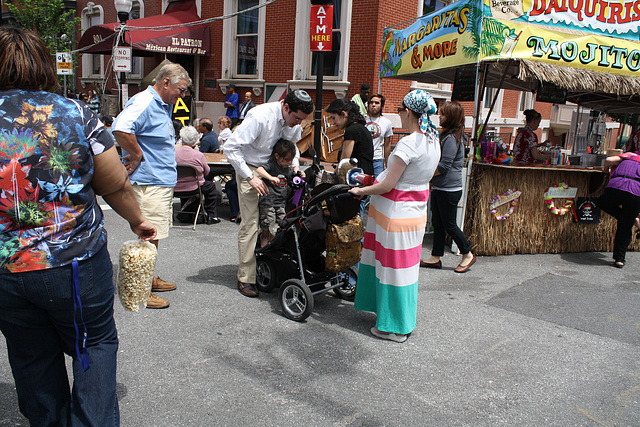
(597, 53)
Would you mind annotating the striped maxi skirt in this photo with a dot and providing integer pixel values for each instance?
(389, 267)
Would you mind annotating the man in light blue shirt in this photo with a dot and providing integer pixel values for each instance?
(144, 130)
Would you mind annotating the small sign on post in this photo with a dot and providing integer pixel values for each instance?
(64, 65)
(321, 28)
(121, 59)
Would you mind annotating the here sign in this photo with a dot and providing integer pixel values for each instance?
(321, 28)
(121, 58)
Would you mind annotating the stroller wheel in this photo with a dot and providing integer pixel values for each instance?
(348, 289)
(296, 299)
(265, 275)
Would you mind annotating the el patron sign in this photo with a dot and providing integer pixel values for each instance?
(321, 28)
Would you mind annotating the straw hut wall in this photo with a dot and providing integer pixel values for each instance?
(532, 228)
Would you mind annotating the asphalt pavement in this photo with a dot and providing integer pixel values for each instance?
(523, 340)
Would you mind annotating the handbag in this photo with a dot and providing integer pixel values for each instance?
(585, 211)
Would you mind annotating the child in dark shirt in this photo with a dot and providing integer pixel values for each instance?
(276, 175)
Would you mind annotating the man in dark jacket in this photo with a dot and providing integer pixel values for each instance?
(247, 105)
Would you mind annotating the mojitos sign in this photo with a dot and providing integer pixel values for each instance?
(594, 34)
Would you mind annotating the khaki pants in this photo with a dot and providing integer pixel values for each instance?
(248, 232)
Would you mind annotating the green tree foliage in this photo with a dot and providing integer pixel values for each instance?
(49, 19)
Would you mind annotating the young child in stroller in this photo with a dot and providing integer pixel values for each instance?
(276, 174)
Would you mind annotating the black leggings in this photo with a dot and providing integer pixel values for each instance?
(444, 208)
(624, 207)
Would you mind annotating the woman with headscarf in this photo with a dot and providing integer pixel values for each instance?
(446, 189)
(388, 275)
(56, 292)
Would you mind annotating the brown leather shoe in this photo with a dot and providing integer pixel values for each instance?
(156, 302)
(431, 264)
(248, 289)
(462, 269)
(160, 285)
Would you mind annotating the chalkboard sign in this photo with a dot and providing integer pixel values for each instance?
(464, 88)
(551, 93)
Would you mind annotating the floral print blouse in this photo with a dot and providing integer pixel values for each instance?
(525, 139)
(49, 215)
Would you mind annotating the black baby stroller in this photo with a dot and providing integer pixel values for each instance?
(298, 261)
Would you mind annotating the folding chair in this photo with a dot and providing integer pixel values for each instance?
(188, 171)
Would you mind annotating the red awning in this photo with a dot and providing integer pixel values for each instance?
(182, 40)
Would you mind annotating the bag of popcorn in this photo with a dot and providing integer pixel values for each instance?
(135, 274)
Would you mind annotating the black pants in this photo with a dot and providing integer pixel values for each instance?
(624, 207)
(211, 198)
(444, 208)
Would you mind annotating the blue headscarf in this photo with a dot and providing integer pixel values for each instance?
(421, 101)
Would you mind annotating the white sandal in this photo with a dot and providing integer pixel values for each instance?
(389, 336)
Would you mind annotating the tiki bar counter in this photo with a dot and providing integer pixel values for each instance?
(499, 221)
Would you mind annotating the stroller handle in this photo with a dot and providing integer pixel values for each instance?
(318, 198)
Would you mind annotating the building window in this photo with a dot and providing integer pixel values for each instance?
(247, 39)
(243, 59)
(526, 101)
(489, 94)
(137, 62)
(438, 90)
(429, 6)
(92, 65)
(336, 62)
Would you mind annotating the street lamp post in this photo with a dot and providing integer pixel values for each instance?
(123, 7)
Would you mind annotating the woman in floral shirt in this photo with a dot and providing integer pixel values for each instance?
(56, 288)
(526, 147)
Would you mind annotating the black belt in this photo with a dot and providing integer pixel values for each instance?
(628, 177)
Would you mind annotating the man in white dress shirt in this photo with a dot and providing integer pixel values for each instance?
(248, 148)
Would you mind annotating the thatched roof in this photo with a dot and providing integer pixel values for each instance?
(579, 79)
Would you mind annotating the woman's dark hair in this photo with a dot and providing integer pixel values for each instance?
(25, 62)
(352, 110)
(177, 126)
(454, 120)
(531, 115)
(283, 148)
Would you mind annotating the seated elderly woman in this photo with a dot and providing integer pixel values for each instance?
(186, 154)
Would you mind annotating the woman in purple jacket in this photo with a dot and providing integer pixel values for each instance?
(621, 199)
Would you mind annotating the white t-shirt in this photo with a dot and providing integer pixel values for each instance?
(420, 156)
(224, 135)
(380, 128)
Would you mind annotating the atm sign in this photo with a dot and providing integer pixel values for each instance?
(321, 28)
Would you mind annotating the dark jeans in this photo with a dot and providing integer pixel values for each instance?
(231, 187)
(36, 319)
(443, 206)
(624, 207)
